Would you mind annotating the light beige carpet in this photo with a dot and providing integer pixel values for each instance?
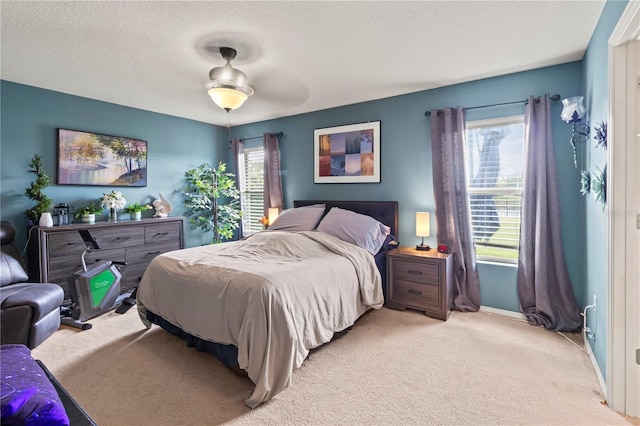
(391, 368)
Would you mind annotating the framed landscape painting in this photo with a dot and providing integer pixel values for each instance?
(92, 159)
(347, 154)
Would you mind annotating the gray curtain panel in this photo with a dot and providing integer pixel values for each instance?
(453, 214)
(544, 286)
(272, 177)
(237, 148)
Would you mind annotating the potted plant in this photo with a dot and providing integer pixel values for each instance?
(135, 210)
(212, 200)
(87, 214)
(34, 191)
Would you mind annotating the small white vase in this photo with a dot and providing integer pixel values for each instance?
(46, 220)
(136, 215)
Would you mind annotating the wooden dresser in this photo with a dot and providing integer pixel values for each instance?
(420, 280)
(55, 253)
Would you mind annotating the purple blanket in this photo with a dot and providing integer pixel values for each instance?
(28, 397)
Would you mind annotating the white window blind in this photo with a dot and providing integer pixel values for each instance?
(494, 158)
(252, 189)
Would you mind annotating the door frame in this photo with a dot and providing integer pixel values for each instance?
(623, 326)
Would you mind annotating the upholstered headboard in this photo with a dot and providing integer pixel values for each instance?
(383, 211)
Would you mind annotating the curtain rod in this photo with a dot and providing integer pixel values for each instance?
(278, 135)
(555, 97)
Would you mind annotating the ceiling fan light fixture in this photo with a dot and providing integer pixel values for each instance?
(228, 88)
(227, 98)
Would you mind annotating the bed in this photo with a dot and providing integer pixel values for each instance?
(262, 303)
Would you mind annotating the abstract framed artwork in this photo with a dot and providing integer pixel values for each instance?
(86, 158)
(347, 154)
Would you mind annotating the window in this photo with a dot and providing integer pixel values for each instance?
(494, 163)
(251, 165)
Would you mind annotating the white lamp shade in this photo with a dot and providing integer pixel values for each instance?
(573, 105)
(227, 98)
(273, 214)
(422, 224)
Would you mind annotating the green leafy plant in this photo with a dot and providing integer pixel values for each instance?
(136, 207)
(88, 209)
(34, 191)
(212, 200)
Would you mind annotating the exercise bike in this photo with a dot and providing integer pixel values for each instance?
(94, 290)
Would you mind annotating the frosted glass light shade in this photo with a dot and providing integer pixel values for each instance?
(273, 214)
(422, 224)
(227, 98)
(571, 106)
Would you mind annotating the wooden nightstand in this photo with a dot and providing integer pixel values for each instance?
(421, 280)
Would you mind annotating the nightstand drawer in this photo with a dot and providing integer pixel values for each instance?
(416, 295)
(428, 273)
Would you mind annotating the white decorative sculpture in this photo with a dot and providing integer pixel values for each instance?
(163, 207)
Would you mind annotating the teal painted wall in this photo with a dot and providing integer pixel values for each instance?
(595, 91)
(31, 116)
(406, 172)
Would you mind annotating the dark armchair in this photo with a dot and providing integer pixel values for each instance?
(30, 312)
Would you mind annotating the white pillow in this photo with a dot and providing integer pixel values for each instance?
(298, 219)
(355, 228)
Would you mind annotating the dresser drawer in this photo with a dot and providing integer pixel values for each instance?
(122, 237)
(416, 295)
(64, 243)
(163, 233)
(427, 273)
(138, 258)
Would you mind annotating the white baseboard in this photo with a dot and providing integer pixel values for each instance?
(503, 312)
(596, 368)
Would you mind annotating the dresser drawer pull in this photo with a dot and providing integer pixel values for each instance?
(416, 292)
(124, 238)
(153, 252)
(413, 271)
(161, 233)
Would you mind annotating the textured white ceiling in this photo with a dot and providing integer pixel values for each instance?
(299, 56)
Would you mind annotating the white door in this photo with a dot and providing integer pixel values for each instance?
(623, 204)
(633, 232)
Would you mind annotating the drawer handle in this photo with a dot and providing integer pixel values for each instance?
(153, 252)
(413, 271)
(416, 292)
(124, 238)
(162, 233)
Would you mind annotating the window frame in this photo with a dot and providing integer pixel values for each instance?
(250, 219)
(497, 121)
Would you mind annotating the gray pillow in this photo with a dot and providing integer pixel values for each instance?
(298, 219)
(355, 228)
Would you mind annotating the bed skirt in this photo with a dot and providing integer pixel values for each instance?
(227, 354)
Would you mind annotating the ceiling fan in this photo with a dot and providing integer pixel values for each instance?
(228, 88)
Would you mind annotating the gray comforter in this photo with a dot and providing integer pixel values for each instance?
(275, 296)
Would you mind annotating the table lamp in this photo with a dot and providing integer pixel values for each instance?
(422, 229)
